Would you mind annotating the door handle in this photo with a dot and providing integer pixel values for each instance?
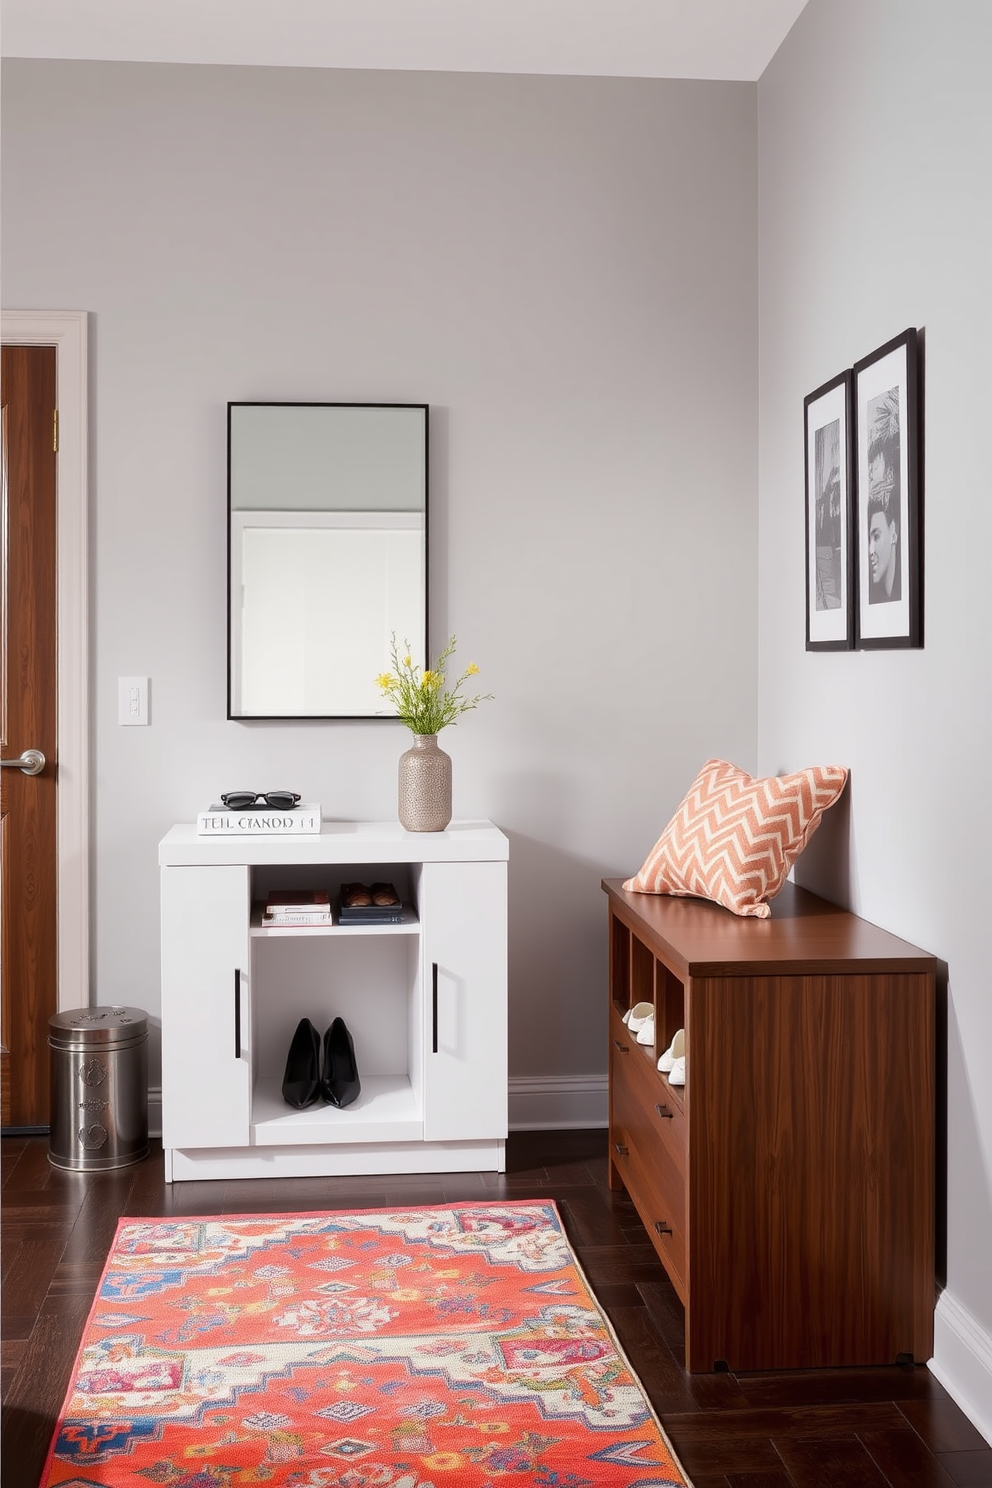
(32, 762)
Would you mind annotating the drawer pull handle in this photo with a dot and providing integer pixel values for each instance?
(665, 1112)
(621, 1149)
(622, 1047)
(662, 1227)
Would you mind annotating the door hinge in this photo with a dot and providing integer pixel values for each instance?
(55, 431)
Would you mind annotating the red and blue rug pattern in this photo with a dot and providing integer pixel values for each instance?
(455, 1346)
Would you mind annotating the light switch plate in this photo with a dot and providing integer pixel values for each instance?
(132, 700)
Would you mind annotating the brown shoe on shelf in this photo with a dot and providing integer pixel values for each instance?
(384, 893)
(355, 895)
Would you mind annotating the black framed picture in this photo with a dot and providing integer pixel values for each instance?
(888, 524)
(829, 545)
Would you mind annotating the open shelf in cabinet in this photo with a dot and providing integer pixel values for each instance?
(638, 976)
(409, 925)
(387, 1110)
(404, 877)
(373, 982)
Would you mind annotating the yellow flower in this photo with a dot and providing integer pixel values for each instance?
(422, 696)
(471, 670)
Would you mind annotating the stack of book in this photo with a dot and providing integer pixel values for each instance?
(297, 907)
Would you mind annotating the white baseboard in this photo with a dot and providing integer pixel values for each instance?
(962, 1361)
(537, 1103)
(557, 1102)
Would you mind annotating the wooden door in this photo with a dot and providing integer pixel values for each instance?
(28, 909)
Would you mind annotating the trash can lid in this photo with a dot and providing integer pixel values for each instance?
(98, 1025)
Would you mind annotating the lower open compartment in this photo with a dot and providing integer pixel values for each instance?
(374, 983)
(639, 979)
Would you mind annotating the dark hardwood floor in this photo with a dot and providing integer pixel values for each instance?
(867, 1428)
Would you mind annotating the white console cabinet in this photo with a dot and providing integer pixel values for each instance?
(425, 1002)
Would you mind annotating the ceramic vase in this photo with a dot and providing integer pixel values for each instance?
(425, 786)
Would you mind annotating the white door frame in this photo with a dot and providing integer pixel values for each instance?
(66, 331)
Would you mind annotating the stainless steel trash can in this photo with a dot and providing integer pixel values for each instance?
(99, 1102)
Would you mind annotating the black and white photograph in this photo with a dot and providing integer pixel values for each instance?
(829, 569)
(887, 528)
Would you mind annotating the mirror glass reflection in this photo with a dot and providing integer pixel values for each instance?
(327, 554)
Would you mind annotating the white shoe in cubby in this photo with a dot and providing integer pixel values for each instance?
(675, 1050)
(638, 1015)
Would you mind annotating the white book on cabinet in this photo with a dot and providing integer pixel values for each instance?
(255, 821)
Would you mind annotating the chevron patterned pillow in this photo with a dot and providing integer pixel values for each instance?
(734, 838)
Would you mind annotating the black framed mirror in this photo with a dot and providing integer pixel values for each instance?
(327, 554)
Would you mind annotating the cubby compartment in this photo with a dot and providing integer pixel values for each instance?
(330, 877)
(637, 976)
(367, 974)
(641, 973)
(371, 981)
(669, 1007)
(619, 965)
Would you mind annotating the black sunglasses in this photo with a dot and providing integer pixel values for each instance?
(241, 800)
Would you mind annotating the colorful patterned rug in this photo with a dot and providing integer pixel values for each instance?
(443, 1347)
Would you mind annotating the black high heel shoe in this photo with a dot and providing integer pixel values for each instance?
(340, 1082)
(301, 1082)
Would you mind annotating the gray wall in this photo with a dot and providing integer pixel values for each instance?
(875, 154)
(565, 269)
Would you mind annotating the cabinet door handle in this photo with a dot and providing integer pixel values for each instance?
(665, 1112)
(662, 1227)
(433, 1007)
(237, 1012)
(621, 1149)
(621, 1046)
